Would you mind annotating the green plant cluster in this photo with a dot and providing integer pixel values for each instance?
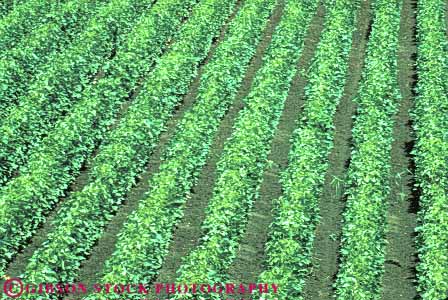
(55, 91)
(7, 6)
(19, 64)
(57, 161)
(430, 116)
(296, 213)
(144, 240)
(125, 151)
(362, 251)
(23, 17)
(241, 166)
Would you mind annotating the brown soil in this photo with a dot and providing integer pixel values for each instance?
(91, 269)
(189, 228)
(326, 244)
(399, 277)
(250, 258)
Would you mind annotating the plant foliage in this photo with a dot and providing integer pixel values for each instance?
(241, 166)
(430, 117)
(363, 241)
(296, 213)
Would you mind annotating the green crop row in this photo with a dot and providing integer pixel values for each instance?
(23, 17)
(124, 153)
(54, 92)
(58, 160)
(363, 242)
(7, 6)
(20, 63)
(290, 244)
(430, 117)
(241, 166)
(144, 240)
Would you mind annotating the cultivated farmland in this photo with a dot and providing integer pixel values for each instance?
(302, 143)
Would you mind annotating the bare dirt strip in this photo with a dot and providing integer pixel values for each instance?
(399, 278)
(188, 230)
(17, 266)
(93, 265)
(332, 202)
(91, 269)
(248, 263)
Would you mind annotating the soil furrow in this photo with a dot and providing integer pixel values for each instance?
(91, 268)
(17, 266)
(248, 263)
(331, 204)
(188, 230)
(401, 258)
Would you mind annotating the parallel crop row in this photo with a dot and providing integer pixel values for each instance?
(24, 15)
(58, 160)
(22, 20)
(431, 150)
(7, 6)
(241, 167)
(144, 239)
(364, 225)
(54, 92)
(289, 248)
(19, 64)
(124, 153)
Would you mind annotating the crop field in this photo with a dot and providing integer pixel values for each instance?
(295, 145)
